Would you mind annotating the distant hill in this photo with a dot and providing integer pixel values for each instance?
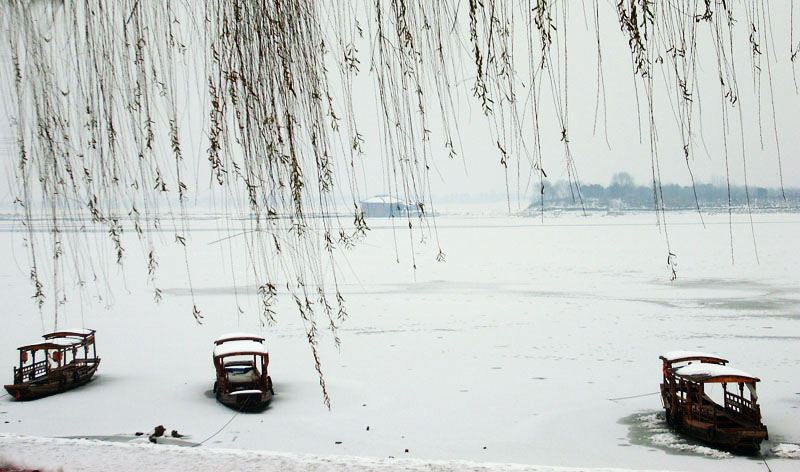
(623, 195)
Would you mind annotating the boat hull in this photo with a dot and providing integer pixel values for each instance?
(743, 440)
(251, 402)
(58, 381)
(735, 434)
(252, 398)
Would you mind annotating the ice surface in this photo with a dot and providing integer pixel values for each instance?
(649, 429)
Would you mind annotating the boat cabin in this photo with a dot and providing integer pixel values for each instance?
(238, 337)
(241, 362)
(66, 359)
(732, 422)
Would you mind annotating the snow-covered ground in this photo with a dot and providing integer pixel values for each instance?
(536, 342)
(141, 456)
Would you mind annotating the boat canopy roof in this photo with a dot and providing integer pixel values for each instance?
(242, 347)
(713, 373)
(73, 332)
(66, 342)
(59, 343)
(238, 337)
(386, 199)
(61, 339)
(685, 356)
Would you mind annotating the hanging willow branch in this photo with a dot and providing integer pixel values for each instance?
(99, 91)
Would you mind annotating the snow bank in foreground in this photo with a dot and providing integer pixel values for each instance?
(84, 455)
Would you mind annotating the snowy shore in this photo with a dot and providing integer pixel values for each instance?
(50, 454)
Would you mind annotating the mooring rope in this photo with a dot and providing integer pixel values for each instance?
(632, 396)
(223, 426)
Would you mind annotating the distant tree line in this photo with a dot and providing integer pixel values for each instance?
(623, 194)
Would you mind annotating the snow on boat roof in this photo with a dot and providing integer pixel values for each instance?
(703, 372)
(65, 341)
(675, 356)
(237, 337)
(240, 347)
(246, 392)
(382, 199)
(56, 343)
(79, 332)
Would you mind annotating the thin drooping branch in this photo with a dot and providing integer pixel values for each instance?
(110, 99)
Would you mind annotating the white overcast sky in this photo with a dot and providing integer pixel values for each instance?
(628, 151)
(477, 170)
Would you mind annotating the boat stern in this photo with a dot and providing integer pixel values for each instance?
(19, 391)
(246, 400)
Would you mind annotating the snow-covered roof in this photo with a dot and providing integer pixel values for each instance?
(676, 356)
(65, 341)
(704, 372)
(237, 337)
(51, 344)
(383, 199)
(79, 332)
(246, 392)
(240, 347)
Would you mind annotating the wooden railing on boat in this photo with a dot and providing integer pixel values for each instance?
(741, 406)
(30, 372)
(708, 411)
(88, 360)
(39, 369)
(703, 412)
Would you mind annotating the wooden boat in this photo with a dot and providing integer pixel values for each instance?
(66, 359)
(734, 423)
(241, 361)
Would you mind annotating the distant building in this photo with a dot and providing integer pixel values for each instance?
(385, 206)
(615, 206)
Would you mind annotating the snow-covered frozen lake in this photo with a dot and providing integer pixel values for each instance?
(535, 342)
